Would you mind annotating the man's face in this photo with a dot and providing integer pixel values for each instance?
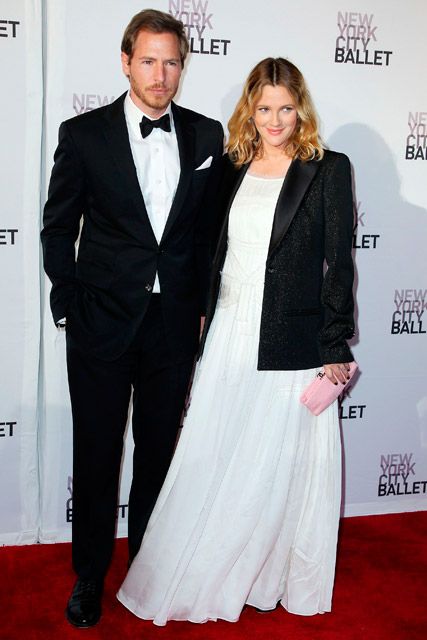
(154, 71)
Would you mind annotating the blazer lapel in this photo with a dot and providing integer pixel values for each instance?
(185, 138)
(298, 179)
(116, 133)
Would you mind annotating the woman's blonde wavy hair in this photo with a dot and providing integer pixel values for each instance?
(245, 143)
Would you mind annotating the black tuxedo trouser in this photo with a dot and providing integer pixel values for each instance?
(100, 394)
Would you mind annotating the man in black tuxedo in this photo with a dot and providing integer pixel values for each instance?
(137, 171)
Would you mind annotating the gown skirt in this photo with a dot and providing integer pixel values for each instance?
(249, 510)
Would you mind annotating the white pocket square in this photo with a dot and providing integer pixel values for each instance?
(207, 163)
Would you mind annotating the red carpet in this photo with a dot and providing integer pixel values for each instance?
(380, 593)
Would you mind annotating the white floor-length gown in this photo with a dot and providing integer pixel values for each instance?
(249, 511)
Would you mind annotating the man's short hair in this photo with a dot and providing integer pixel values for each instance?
(156, 22)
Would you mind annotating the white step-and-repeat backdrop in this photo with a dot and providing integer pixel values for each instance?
(365, 65)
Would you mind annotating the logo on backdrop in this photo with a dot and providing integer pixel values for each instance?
(69, 503)
(83, 102)
(121, 508)
(197, 20)
(9, 28)
(8, 236)
(416, 141)
(397, 476)
(409, 316)
(362, 240)
(357, 40)
(347, 410)
(8, 429)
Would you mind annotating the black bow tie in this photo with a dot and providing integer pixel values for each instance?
(147, 125)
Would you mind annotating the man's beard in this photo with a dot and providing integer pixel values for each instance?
(151, 100)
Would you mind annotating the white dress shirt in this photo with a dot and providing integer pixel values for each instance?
(156, 159)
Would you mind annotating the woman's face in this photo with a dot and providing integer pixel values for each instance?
(275, 116)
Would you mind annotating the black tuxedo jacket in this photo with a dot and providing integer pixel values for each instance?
(105, 291)
(307, 315)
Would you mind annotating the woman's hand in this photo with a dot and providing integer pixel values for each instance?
(337, 372)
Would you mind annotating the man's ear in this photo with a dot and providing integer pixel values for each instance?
(125, 63)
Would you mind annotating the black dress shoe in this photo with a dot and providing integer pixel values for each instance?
(267, 610)
(84, 606)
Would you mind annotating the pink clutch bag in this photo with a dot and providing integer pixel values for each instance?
(322, 392)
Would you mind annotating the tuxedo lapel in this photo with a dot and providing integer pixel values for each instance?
(185, 139)
(116, 133)
(298, 179)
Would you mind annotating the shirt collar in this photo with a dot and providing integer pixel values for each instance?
(134, 116)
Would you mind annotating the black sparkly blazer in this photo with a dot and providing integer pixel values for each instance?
(307, 312)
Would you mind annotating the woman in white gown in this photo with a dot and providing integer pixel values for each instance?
(249, 510)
